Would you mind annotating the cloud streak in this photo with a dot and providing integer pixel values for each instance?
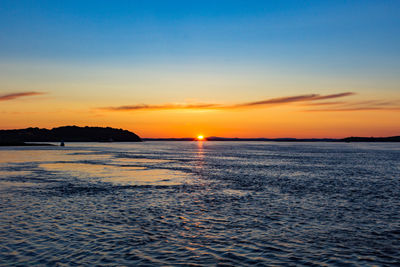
(355, 109)
(275, 101)
(160, 107)
(324, 97)
(13, 96)
(357, 106)
(262, 103)
(293, 99)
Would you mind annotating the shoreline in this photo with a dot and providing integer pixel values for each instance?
(24, 144)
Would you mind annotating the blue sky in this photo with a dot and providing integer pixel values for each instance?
(250, 31)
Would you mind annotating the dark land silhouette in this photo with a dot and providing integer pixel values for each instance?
(372, 139)
(66, 134)
(107, 134)
(347, 139)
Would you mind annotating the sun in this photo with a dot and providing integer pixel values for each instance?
(200, 138)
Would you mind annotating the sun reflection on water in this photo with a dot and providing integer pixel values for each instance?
(116, 174)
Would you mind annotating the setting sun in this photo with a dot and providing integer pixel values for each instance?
(200, 138)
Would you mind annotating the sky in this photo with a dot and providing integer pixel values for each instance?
(217, 68)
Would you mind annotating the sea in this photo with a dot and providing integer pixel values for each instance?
(205, 203)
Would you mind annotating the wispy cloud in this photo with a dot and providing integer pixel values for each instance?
(160, 107)
(324, 97)
(292, 99)
(325, 103)
(355, 109)
(356, 106)
(275, 101)
(12, 96)
(266, 102)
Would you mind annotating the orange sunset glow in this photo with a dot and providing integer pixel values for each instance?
(293, 119)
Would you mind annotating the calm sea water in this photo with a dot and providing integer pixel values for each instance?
(200, 203)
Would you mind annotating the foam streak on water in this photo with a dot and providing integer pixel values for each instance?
(201, 203)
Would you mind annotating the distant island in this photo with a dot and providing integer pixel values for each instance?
(66, 134)
(372, 139)
(347, 139)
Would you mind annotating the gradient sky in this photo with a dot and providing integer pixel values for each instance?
(217, 68)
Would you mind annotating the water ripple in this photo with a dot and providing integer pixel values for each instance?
(232, 204)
